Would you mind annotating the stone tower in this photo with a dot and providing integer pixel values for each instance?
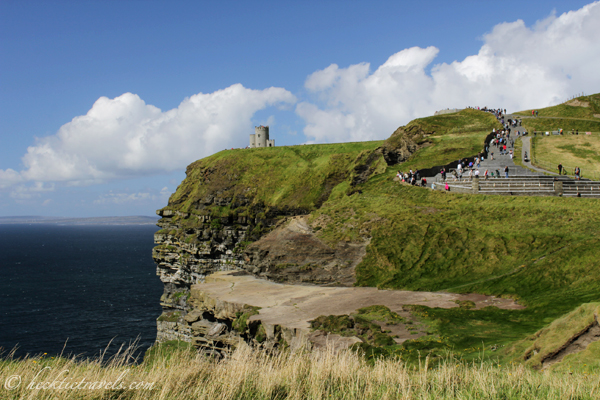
(260, 138)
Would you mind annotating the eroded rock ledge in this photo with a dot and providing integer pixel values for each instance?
(292, 253)
(190, 247)
(232, 307)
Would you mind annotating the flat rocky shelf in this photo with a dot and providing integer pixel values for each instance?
(292, 307)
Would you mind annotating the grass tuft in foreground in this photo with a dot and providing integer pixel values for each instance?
(178, 373)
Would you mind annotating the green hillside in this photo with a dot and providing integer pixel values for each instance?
(441, 139)
(541, 251)
(581, 113)
(256, 182)
(584, 107)
(571, 151)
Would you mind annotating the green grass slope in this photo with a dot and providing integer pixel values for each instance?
(295, 177)
(582, 113)
(584, 107)
(552, 342)
(571, 151)
(541, 251)
(442, 139)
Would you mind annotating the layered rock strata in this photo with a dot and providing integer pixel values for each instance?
(189, 248)
(292, 253)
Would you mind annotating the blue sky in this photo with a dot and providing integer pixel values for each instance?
(104, 103)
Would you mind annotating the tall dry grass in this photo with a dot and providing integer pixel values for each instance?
(252, 374)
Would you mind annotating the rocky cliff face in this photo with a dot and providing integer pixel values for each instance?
(239, 210)
(229, 201)
(184, 256)
(292, 253)
(403, 143)
(191, 247)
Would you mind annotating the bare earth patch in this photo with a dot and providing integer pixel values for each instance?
(578, 103)
(294, 306)
(292, 253)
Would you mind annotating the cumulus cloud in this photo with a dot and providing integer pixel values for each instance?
(9, 177)
(125, 137)
(517, 67)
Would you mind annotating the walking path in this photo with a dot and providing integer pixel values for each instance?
(525, 180)
(501, 161)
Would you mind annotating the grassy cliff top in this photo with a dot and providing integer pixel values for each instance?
(586, 107)
(295, 177)
(303, 177)
(581, 113)
(440, 139)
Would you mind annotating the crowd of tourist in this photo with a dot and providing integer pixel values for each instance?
(501, 145)
(411, 178)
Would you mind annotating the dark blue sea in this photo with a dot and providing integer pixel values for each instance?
(77, 287)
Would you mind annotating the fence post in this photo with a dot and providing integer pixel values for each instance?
(558, 187)
(475, 185)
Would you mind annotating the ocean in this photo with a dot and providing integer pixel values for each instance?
(75, 289)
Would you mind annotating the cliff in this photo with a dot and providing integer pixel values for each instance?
(231, 200)
(331, 215)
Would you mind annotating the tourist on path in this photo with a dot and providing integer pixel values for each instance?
(506, 171)
(560, 169)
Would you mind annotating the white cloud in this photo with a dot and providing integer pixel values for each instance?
(133, 198)
(9, 177)
(125, 137)
(517, 67)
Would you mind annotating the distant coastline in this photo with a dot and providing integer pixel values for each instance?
(131, 220)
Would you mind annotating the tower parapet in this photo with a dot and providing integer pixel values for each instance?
(260, 138)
